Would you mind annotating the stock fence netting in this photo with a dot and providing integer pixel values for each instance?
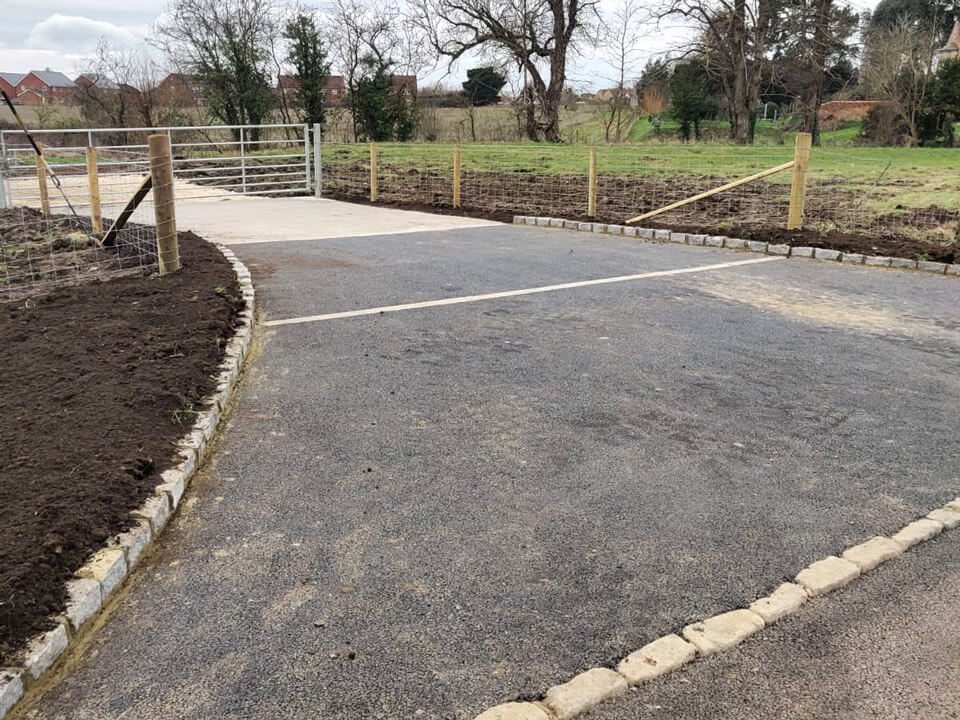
(847, 191)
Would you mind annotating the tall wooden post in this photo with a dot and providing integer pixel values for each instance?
(374, 189)
(42, 183)
(592, 185)
(161, 172)
(93, 183)
(456, 176)
(798, 187)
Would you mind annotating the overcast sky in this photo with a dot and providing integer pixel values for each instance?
(60, 34)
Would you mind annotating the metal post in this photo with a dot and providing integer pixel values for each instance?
(306, 157)
(161, 171)
(3, 167)
(317, 160)
(243, 165)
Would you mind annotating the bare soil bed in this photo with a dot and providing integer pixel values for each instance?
(99, 381)
(841, 222)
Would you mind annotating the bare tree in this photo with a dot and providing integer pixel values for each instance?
(226, 46)
(372, 37)
(733, 37)
(810, 37)
(898, 67)
(530, 33)
(124, 91)
(621, 36)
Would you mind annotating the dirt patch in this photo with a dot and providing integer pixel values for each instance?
(99, 382)
(38, 251)
(891, 246)
(838, 217)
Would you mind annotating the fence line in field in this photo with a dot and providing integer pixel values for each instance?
(613, 183)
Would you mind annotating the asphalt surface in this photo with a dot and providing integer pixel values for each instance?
(886, 647)
(423, 514)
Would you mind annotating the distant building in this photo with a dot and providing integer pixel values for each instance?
(405, 84)
(45, 87)
(950, 51)
(89, 80)
(181, 90)
(333, 91)
(608, 94)
(8, 83)
(336, 88)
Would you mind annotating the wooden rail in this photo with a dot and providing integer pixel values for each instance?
(715, 191)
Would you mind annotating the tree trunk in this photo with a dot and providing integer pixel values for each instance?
(818, 61)
(739, 102)
(530, 115)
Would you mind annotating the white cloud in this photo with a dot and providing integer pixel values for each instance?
(22, 60)
(74, 34)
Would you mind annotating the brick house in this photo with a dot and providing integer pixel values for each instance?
(405, 84)
(181, 90)
(45, 87)
(8, 83)
(333, 92)
(89, 80)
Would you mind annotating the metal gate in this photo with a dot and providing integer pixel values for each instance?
(210, 161)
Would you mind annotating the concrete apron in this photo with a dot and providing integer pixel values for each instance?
(250, 219)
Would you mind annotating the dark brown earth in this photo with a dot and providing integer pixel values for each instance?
(836, 218)
(98, 382)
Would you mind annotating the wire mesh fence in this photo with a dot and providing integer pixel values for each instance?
(39, 253)
(53, 229)
(846, 192)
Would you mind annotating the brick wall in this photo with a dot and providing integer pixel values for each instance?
(841, 110)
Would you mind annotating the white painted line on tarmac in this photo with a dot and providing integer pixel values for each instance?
(515, 293)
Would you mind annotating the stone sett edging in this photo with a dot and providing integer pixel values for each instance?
(726, 630)
(105, 571)
(721, 241)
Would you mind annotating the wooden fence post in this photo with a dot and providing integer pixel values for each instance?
(798, 187)
(42, 182)
(592, 181)
(456, 176)
(374, 188)
(161, 171)
(93, 183)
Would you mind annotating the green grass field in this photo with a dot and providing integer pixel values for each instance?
(925, 176)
